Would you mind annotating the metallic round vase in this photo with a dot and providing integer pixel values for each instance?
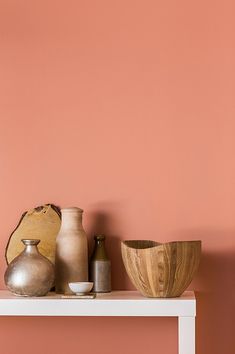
(30, 273)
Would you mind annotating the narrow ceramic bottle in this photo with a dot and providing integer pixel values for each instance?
(71, 260)
(100, 267)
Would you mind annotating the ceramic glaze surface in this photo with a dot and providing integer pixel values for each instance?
(100, 266)
(81, 287)
(30, 273)
(71, 261)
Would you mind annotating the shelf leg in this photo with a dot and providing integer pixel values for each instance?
(186, 335)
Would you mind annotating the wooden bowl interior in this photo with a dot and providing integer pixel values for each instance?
(140, 244)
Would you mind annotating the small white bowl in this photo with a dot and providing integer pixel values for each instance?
(81, 287)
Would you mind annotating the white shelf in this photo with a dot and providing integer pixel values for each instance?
(116, 303)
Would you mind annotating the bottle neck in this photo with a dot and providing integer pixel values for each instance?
(31, 249)
(31, 246)
(71, 220)
(99, 252)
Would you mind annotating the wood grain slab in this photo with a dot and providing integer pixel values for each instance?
(41, 223)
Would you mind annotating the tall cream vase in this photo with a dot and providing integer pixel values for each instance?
(71, 260)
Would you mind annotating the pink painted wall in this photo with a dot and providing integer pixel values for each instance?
(126, 109)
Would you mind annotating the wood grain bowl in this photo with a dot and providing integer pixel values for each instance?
(161, 269)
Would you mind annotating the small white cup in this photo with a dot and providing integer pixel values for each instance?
(81, 287)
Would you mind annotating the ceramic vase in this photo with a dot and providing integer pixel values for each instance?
(30, 273)
(71, 260)
(100, 267)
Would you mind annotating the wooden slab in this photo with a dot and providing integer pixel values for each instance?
(41, 223)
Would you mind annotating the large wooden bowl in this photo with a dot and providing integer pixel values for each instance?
(161, 269)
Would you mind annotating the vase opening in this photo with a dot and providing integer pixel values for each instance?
(30, 242)
(72, 210)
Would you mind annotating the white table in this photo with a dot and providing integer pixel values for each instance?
(116, 303)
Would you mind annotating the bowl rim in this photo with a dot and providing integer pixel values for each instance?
(152, 243)
(81, 283)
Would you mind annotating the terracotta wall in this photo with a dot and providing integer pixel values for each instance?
(126, 109)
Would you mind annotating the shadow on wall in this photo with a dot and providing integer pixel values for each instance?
(216, 303)
(102, 223)
(215, 290)
(214, 282)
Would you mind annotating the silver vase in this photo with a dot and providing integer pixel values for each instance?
(30, 273)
